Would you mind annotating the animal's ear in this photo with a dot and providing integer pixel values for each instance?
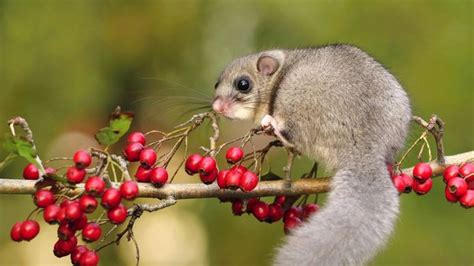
(267, 65)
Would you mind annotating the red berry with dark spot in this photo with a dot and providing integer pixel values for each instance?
(291, 223)
(29, 229)
(237, 207)
(275, 212)
(88, 203)
(467, 170)
(248, 181)
(450, 196)
(158, 176)
(450, 172)
(95, 186)
(234, 154)
(50, 213)
(132, 151)
(191, 165)
(136, 137)
(261, 211)
(43, 198)
(75, 175)
(280, 199)
(208, 178)
(111, 198)
(64, 247)
(457, 186)
(250, 204)
(403, 183)
(147, 157)
(143, 174)
(221, 181)
(467, 201)
(31, 172)
(233, 179)
(73, 212)
(118, 214)
(293, 212)
(77, 253)
(422, 188)
(89, 258)
(65, 231)
(422, 172)
(207, 165)
(82, 159)
(91, 232)
(309, 209)
(15, 232)
(80, 223)
(129, 190)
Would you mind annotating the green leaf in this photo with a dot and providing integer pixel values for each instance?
(119, 124)
(20, 146)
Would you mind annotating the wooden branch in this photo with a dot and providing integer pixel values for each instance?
(198, 190)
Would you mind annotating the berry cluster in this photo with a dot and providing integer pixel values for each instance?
(71, 215)
(460, 184)
(148, 172)
(420, 182)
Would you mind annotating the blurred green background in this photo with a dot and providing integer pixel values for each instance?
(64, 65)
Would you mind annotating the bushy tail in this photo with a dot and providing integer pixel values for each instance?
(356, 222)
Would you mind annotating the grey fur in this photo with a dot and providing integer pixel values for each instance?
(340, 107)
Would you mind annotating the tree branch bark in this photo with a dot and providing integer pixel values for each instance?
(198, 190)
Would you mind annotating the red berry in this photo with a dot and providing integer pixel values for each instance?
(240, 168)
(15, 232)
(422, 172)
(234, 154)
(158, 176)
(132, 152)
(280, 199)
(261, 211)
(467, 201)
(89, 258)
(248, 181)
(50, 171)
(87, 203)
(237, 207)
(147, 157)
(95, 186)
(275, 212)
(65, 231)
(293, 212)
(31, 172)
(75, 175)
(91, 232)
(466, 170)
(77, 253)
(73, 212)
(43, 198)
(309, 209)
(29, 229)
(66, 203)
(208, 178)
(399, 181)
(233, 179)
(207, 165)
(221, 180)
(64, 247)
(118, 214)
(291, 223)
(80, 223)
(82, 159)
(250, 204)
(50, 213)
(136, 137)
(129, 190)
(422, 188)
(111, 198)
(192, 164)
(450, 196)
(457, 186)
(450, 172)
(61, 216)
(143, 174)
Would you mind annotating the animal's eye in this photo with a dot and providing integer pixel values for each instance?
(243, 85)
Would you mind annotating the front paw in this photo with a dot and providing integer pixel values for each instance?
(268, 124)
